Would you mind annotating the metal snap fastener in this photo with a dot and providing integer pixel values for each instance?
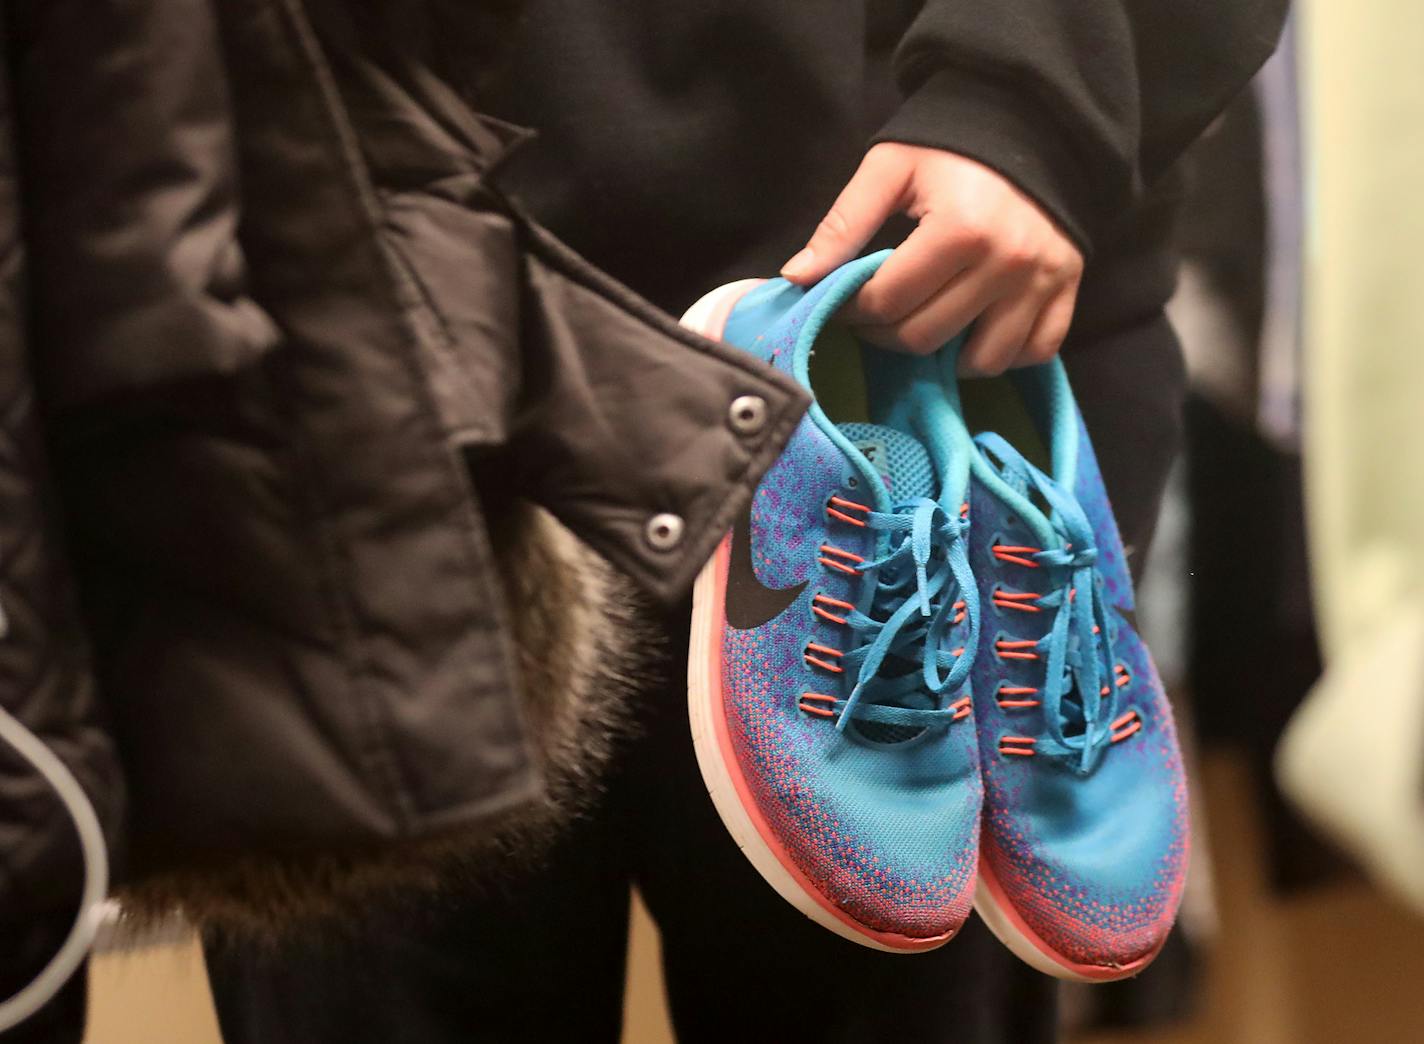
(664, 532)
(748, 414)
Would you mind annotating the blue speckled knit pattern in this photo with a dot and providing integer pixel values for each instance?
(1093, 864)
(887, 832)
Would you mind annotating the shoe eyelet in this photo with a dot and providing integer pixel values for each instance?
(1026, 701)
(1014, 661)
(996, 539)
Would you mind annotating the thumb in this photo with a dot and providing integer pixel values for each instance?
(873, 193)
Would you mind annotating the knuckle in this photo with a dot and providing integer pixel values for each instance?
(884, 154)
(1046, 282)
(918, 340)
(835, 225)
(1053, 271)
(972, 237)
(985, 357)
(1048, 339)
(969, 365)
(991, 366)
(1065, 268)
(873, 304)
(1020, 257)
(1042, 349)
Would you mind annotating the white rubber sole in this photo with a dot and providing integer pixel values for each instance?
(1031, 951)
(708, 317)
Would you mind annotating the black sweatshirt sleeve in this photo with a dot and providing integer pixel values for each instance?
(1081, 103)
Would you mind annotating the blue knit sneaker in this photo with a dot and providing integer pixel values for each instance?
(1085, 837)
(833, 634)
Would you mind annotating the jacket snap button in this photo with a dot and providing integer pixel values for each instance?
(664, 532)
(748, 414)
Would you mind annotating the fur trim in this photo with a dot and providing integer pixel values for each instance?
(582, 639)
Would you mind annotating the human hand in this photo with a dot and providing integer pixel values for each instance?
(982, 253)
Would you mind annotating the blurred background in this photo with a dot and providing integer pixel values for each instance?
(1285, 601)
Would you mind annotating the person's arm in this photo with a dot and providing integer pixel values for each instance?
(1029, 127)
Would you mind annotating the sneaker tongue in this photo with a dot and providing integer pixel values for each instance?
(1017, 474)
(903, 463)
(904, 466)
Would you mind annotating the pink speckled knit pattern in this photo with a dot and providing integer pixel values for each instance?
(1093, 865)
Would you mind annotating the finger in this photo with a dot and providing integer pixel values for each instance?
(941, 319)
(1050, 330)
(937, 251)
(999, 335)
(873, 193)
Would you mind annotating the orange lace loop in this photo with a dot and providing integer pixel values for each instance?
(835, 603)
(1019, 600)
(1016, 554)
(1015, 650)
(1123, 676)
(823, 650)
(844, 556)
(960, 609)
(1125, 726)
(962, 708)
(814, 698)
(846, 505)
(1021, 746)
(1015, 694)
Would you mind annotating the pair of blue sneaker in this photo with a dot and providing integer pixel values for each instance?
(914, 683)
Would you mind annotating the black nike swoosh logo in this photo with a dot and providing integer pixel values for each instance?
(750, 603)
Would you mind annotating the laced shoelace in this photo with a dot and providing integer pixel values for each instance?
(910, 616)
(1079, 689)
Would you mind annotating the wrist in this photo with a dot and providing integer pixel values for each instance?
(998, 128)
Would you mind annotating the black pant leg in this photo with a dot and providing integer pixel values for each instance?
(1131, 387)
(25, 948)
(539, 957)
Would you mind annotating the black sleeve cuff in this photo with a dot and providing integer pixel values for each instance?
(962, 113)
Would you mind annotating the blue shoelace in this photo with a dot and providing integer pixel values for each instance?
(1079, 661)
(910, 616)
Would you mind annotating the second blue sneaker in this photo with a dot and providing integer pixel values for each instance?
(1084, 845)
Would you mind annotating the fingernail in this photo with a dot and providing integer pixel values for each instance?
(798, 265)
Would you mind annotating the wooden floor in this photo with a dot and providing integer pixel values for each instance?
(1343, 965)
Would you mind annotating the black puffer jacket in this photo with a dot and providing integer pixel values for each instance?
(277, 319)
(45, 670)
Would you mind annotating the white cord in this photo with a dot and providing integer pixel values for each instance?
(96, 873)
